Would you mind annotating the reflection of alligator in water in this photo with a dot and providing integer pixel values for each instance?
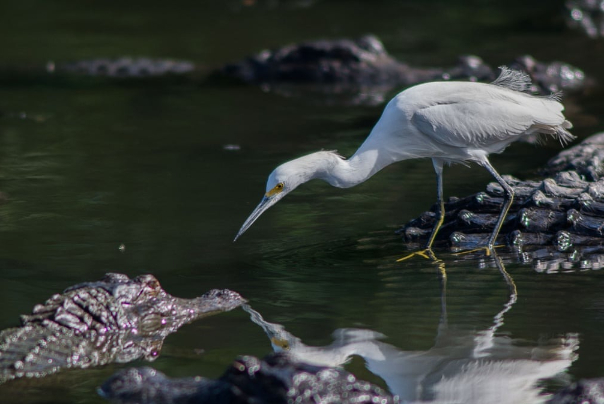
(361, 66)
(565, 210)
(462, 367)
(116, 319)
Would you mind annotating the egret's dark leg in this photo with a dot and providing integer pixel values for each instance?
(509, 198)
(438, 167)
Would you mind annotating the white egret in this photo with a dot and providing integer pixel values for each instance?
(450, 122)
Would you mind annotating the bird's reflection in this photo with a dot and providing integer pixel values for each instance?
(462, 367)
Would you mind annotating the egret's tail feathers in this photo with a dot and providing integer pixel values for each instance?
(513, 79)
(540, 131)
(564, 136)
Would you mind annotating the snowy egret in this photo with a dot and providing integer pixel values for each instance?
(450, 122)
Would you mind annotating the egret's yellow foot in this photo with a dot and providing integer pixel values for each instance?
(427, 254)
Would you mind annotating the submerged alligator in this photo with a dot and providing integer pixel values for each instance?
(274, 380)
(116, 319)
(335, 65)
(564, 210)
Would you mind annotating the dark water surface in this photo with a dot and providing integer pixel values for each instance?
(88, 165)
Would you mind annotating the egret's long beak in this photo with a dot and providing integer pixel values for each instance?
(264, 204)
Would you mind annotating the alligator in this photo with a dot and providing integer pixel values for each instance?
(565, 209)
(334, 65)
(116, 319)
(365, 61)
(275, 379)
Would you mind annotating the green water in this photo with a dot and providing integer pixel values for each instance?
(89, 165)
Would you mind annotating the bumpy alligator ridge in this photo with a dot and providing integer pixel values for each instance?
(116, 319)
(276, 379)
(564, 210)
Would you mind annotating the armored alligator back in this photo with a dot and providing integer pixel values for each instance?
(563, 211)
(114, 320)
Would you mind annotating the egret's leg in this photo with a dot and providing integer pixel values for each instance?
(427, 252)
(509, 198)
(438, 167)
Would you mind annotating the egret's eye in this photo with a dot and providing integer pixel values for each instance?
(283, 344)
(276, 189)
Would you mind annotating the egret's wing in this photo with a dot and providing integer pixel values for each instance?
(472, 123)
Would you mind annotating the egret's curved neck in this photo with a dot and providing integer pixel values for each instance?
(391, 140)
(359, 168)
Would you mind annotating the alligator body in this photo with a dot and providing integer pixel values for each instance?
(116, 319)
(274, 380)
(564, 210)
(364, 60)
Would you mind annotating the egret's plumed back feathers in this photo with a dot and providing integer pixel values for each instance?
(513, 79)
(555, 96)
(520, 81)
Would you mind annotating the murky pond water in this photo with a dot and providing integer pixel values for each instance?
(87, 166)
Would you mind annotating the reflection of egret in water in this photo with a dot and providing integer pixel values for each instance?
(461, 367)
(484, 339)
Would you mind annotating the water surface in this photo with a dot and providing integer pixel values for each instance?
(90, 165)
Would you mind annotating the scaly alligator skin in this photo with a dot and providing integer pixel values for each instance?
(564, 210)
(116, 319)
(277, 379)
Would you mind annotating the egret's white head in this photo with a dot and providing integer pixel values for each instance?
(287, 177)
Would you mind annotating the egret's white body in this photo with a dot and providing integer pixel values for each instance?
(450, 122)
